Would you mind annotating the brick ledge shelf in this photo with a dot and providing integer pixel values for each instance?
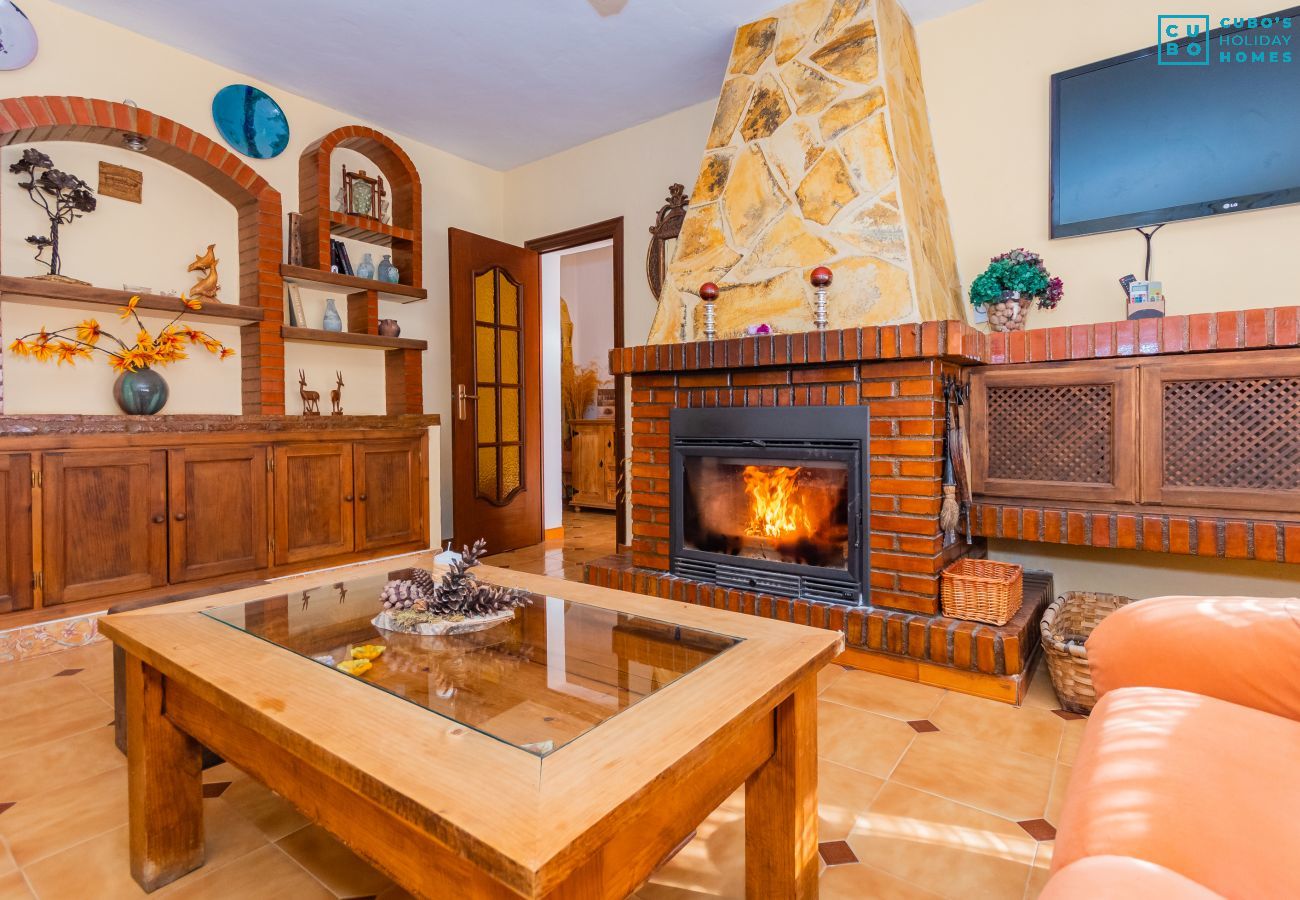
(1250, 329)
(986, 660)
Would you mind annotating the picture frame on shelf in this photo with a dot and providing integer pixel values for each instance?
(362, 194)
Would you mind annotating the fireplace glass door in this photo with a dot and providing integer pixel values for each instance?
(781, 511)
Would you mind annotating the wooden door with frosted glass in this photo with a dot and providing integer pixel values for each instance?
(496, 392)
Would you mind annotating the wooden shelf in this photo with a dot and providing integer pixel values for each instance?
(401, 293)
(14, 288)
(350, 339)
(372, 231)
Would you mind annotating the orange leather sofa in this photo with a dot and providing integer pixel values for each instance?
(1187, 781)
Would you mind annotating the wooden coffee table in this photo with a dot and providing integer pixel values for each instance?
(563, 753)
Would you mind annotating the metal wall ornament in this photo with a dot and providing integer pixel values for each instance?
(667, 227)
(64, 198)
(18, 42)
(250, 121)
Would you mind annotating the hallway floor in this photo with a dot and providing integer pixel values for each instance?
(923, 792)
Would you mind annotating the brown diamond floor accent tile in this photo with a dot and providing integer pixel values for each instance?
(67, 672)
(923, 726)
(1068, 716)
(215, 789)
(1039, 829)
(5, 806)
(837, 853)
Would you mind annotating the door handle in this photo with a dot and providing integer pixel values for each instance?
(362, 498)
(461, 396)
(158, 520)
(180, 517)
(347, 498)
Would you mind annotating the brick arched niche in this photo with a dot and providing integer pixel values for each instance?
(25, 120)
(401, 181)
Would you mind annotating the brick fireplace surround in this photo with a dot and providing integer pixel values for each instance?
(896, 370)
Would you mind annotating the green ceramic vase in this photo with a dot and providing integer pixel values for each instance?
(142, 392)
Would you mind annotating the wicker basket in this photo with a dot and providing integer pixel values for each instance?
(982, 590)
(1066, 624)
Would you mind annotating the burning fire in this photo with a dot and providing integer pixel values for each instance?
(776, 510)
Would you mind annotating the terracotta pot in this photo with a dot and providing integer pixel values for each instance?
(1009, 314)
(389, 328)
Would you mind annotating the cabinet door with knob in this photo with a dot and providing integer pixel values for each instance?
(218, 511)
(104, 523)
(594, 464)
(314, 501)
(15, 531)
(391, 494)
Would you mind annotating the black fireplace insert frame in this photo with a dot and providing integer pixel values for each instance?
(782, 434)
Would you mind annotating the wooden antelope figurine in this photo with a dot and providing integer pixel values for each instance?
(310, 399)
(336, 396)
(206, 287)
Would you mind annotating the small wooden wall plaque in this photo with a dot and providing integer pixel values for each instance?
(120, 182)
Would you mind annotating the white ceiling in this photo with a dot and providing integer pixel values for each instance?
(500, 82)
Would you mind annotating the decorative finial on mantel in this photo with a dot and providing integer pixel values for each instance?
(820, 277)
(709, 293)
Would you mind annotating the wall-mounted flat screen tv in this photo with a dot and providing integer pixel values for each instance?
(1136, 142)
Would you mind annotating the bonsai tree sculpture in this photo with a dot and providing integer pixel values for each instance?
(1012, 281)
(64, 197)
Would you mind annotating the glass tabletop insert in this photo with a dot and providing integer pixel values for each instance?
(537, 680)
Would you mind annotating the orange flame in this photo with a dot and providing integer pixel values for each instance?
(776, 510)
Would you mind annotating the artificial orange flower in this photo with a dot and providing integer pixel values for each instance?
(227, 352)
(68, 352)
(41, 349)
(127, 310)
(191, 304)
(121, 364)
(20, 348)
(88, 331)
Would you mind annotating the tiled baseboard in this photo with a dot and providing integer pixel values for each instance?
(29, 641)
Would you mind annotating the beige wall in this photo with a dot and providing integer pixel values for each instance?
(986, 71)
(622, 174)
(84, 56)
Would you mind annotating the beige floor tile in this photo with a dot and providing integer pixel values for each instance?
(1041, 695)
(102, 861)
(64, 817)
(268, 872)
(1056, 797)
(1027, 729)
(859, 882)
(827, 675)
(14, 887)
(270, 813)
(859, 739)
(7, 863)
(1073, 733)
(1038, 875)
(978, 773)
(882, 694)
(28, 670)
(32, 699)
(47, 767)
(71, 710)
(843, 794)
(943, 846)
(333, 864)
(711, 865)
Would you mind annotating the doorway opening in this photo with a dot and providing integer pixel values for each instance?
(583, 406)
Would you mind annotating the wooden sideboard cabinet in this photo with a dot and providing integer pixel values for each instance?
(1205, 431)
(594, 464)
(154, 507)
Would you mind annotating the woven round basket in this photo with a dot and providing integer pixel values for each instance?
(1066, 624)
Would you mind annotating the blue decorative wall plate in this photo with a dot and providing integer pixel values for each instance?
(17, 37)
(250, 121)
